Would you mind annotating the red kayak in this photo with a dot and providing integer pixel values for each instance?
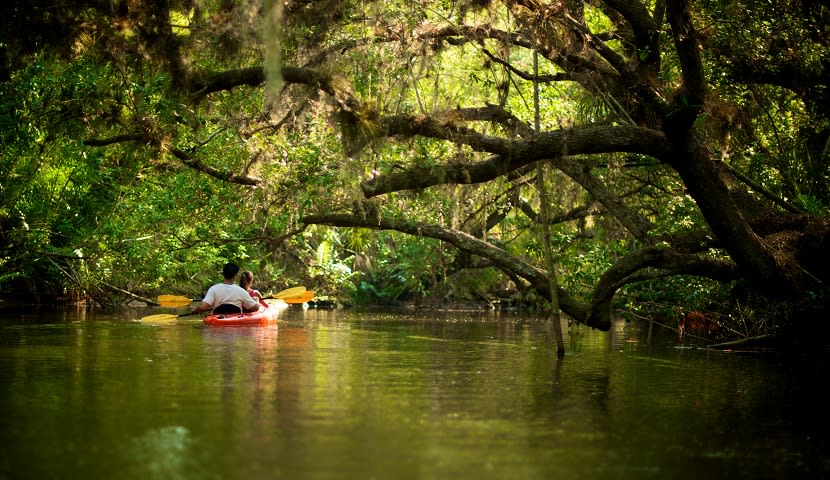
(266, 315)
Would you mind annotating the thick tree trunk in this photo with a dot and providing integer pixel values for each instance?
(769, 271)
(761, 268)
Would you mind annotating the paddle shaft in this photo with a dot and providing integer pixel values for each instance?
(164, 317)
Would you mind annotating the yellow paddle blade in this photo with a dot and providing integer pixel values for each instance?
(173, 299)
(289, 292)
(174, 304)
(304, 297)
(160, 318)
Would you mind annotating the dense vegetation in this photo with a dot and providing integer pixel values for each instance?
(660, 156)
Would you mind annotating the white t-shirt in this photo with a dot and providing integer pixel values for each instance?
(229, 293)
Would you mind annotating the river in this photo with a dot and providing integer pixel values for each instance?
(341, 394)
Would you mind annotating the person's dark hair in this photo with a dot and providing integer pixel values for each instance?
(230, 270)
(246, 279)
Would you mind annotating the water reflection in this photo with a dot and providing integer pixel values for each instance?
(161, 453)
(330, 394)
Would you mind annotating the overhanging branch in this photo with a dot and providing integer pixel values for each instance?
(629, 269)
(197, 164)
(466, 243)
(509, 154)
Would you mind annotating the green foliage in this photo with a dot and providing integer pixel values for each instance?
(145, 213)
(327, 269)
(669, 297)
(54, 193)
(812, 204)
(402, 268)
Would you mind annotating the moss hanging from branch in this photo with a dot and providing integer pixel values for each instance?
(272, 41)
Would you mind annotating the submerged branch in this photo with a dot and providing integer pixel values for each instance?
(148, 301)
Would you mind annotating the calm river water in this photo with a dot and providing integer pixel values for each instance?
(352, 395)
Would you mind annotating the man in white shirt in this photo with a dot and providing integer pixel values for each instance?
(227, 297)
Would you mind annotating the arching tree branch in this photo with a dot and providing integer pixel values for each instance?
(510, 154)
(466, 243)
(197, 164)
(629, 269)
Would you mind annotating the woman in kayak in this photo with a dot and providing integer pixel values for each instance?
(246, 281)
